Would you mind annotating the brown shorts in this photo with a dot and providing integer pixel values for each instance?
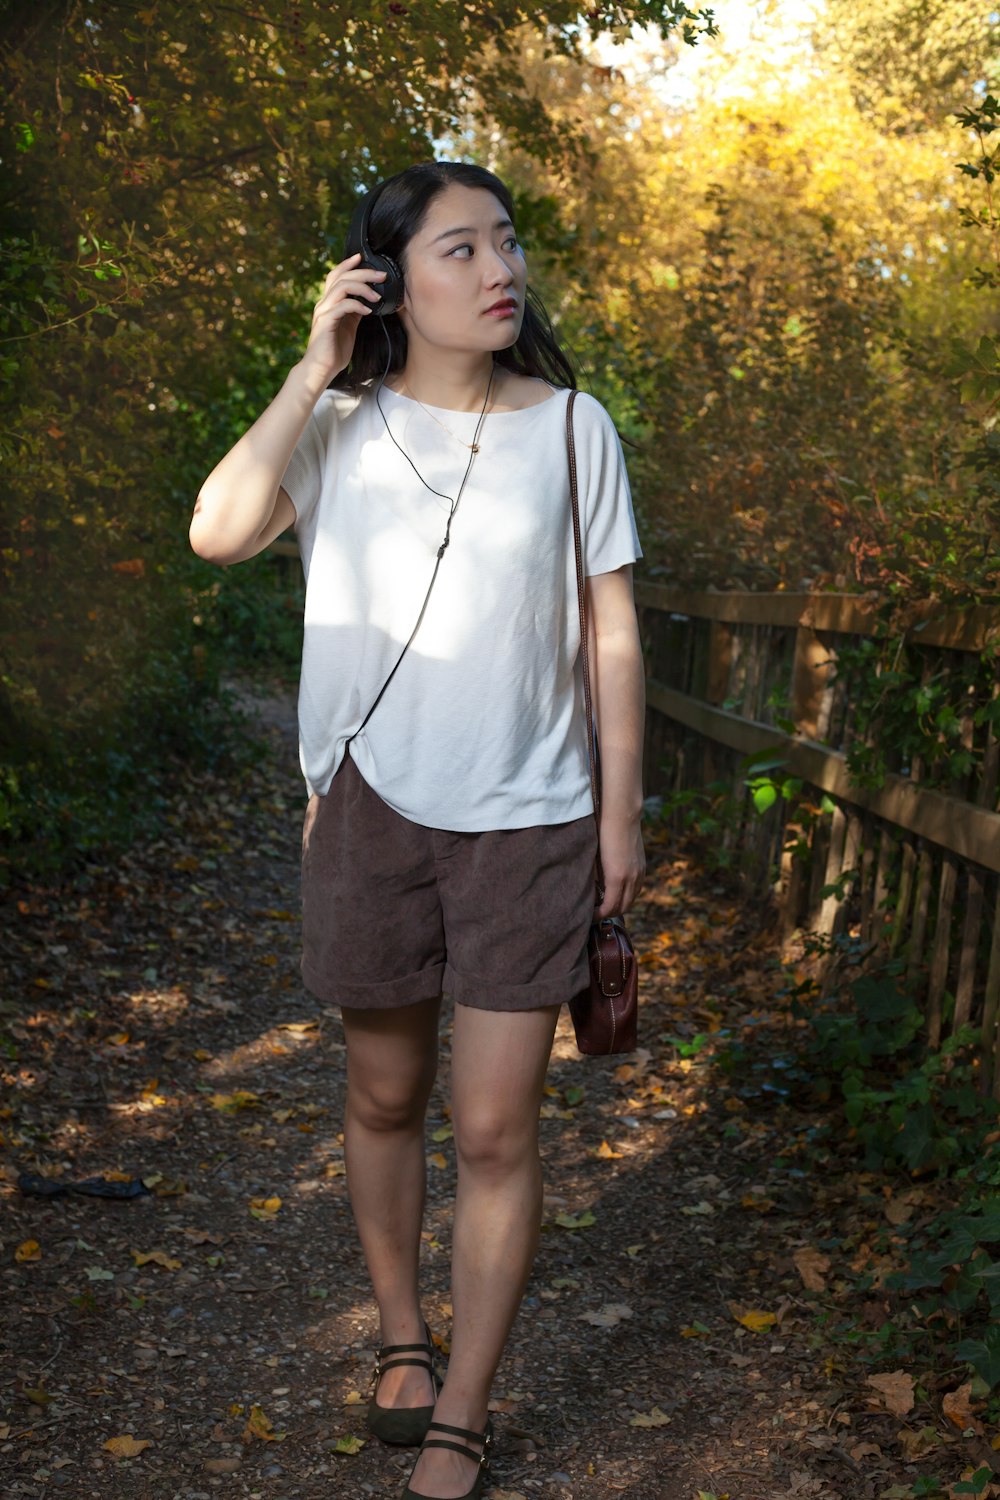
(394, 912)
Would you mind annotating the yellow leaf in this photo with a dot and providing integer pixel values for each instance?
(265, 1208)
(438, 1159)
(656, 1418)
(443, 1133)
(751, 1200)
(201, 1054)
(230, 1103)
(605, 1153)
(335, 1169)
(353, 1398)
(118, 1038)
(757, 1321)
(28, 1250)
(695, 1331)
(126, 1446)
(156, 1258)
(258, 1426)
(349, 1445)
(38, 1395)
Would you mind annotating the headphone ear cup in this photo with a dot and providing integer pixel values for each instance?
(392, 288)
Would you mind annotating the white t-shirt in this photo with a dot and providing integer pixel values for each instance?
(483, 725)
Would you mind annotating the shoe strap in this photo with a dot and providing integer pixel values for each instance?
(406, 1349)
(390, 1364)
(473, 1437)
(455, 1448)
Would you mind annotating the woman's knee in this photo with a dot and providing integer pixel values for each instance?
(491, 1141)
(384, 1101)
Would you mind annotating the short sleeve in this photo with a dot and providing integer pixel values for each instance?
(303, 478)
(610, 537)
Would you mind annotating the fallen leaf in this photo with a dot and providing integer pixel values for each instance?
(437, 1159)
(704, 1207)
(916, 1444)
(38, 1395)
(896, 1390)
(349, 1445)
(28, 1250)
(605, 1153)
(353, 1398)
(575, 1221)
(265, 1208)
(156, 1258)
(126, 1446)
(609, 1315)
(754, 1200)
(223, 1465)
(957, 1407)
(812, 1266)
(695, 1331)
(230, 1104)
(655, 1418)
(258, 1426)
(443, 1133)
(335, 1169)
(756, 1320)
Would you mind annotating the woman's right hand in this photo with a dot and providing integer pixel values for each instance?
(337, 315)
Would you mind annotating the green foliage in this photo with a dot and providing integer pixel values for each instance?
(910, 705)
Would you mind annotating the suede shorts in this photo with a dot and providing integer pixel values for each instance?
(394, 913)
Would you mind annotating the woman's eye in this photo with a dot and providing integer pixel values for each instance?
(510, 243)
(461, 248)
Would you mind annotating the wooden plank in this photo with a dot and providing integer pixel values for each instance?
(812, 665)
(886, 853)
(720, 661)
(991, 1004)
(921, 912)
(906, 884)
(969, 629)
(970, 948)
(971, 832)
(834, 864)
(941, 950)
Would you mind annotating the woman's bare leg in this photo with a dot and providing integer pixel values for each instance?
(499, 1060)
(391, 1065)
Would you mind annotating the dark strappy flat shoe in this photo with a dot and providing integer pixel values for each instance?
(404, 1426)
(475, 1445)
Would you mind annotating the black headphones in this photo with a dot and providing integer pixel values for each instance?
(357, 242)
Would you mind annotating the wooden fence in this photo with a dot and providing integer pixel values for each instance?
(899, 866)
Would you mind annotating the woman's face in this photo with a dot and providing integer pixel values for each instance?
(464, 274)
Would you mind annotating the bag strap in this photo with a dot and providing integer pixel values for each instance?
(581, 592)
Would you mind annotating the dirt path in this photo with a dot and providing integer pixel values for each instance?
(154, 1026)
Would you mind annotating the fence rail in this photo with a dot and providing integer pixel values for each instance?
(899, 865)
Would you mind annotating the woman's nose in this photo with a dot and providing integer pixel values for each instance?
(498, 272)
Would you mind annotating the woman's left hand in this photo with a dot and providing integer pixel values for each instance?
(623, 860)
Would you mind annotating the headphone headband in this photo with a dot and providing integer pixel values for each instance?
(357, 243)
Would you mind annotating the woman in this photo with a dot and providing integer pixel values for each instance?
(449, 839)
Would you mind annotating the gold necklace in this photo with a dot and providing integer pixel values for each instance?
(473, 447)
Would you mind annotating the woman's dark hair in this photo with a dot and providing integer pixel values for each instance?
(396, 217)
